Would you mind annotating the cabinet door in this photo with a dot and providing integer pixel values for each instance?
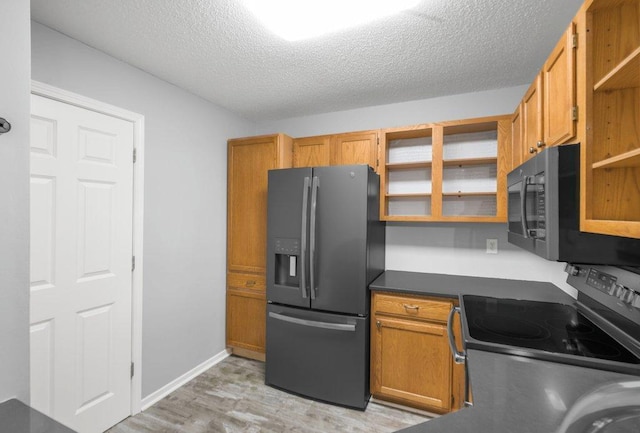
(411, 363)
(517, 145)
(311, 151)
(249, 161)
(356, 148)
(246, 321)
(532, 118)
(559, 75)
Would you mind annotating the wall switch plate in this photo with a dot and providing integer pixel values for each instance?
(492, 246)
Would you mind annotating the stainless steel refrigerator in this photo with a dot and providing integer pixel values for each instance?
(325, 244)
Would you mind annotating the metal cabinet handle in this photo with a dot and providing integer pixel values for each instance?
(458, 357)
(532, 150)
(411, 307)
(540, 144)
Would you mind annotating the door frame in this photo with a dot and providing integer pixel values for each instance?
(51, 92)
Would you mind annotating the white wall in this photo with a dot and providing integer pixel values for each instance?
(430, 247)
(489, 103)
(185, 199)
(14, 200)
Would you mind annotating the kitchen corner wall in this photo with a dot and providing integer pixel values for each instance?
(452, 248)
(15, 86)
(185, 199)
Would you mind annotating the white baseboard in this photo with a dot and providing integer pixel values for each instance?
(161, 393)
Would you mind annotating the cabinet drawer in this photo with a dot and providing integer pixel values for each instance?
(408, 306)
(246, 281)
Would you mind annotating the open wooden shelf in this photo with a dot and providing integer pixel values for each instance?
(470, 161)
(408, 165)
(409, 195)
(468, 194)
(625, 75)
(628, 159)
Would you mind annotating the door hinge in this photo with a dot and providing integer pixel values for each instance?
(132, 369)
(135, 155)
(574, 113)
(574, 40)
(133, 263)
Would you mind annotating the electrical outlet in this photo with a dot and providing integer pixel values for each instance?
(492, 246)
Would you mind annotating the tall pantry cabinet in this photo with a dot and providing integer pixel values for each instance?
(249, 160)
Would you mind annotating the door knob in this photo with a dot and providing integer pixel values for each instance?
(4, 126)
(532, 149)
(540, 144)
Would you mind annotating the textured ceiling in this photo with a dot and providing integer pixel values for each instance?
(217, 49)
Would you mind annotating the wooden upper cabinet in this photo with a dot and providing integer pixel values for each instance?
(548, 108)
(249, 160)
(447, 171)
(517, 149)
(532, 131)
(559, 102)
(339, 149)
(355, 148)
(610, 164)
(312, 151)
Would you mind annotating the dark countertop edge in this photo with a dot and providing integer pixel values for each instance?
(453, 286)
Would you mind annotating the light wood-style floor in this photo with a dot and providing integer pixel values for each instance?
(232, 397)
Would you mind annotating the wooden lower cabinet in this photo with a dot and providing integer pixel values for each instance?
(246, 320)
(411, 363)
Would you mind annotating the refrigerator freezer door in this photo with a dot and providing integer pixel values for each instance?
(339, 234)
(319, 355)
(287, 237)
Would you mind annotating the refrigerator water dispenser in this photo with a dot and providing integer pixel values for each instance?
(286, 262)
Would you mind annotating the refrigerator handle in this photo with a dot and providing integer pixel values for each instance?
(303, 238)
(312, 236)
(349, 327)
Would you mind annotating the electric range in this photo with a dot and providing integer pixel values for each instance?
(601, 329)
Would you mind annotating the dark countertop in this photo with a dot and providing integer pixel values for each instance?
(17, 417)
(452, 286)
(511, 393)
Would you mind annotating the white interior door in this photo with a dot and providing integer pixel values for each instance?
(81, 252)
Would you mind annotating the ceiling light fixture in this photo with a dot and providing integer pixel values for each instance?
(298, 19)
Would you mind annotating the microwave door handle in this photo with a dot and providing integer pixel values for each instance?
(523, 206)
(303, 238)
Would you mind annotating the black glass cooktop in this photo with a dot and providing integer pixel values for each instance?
(542, 326)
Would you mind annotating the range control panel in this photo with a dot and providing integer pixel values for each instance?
(607, 283)
(601, 281)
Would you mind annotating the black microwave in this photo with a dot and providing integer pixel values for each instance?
(544, 213)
